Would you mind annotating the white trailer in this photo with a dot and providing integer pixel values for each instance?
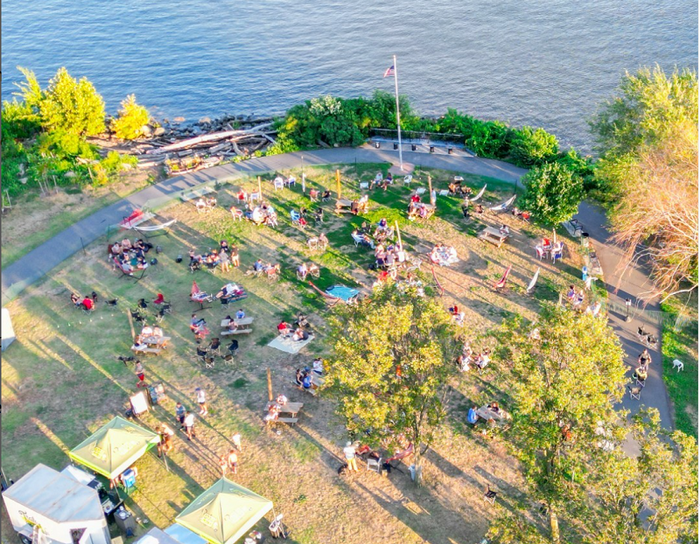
(47, 507)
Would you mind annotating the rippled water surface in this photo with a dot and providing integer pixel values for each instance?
(545, 63)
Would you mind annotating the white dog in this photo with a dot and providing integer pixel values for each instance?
(677, 365)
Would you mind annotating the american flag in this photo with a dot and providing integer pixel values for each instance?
(389, 71)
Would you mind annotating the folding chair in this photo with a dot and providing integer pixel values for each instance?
(279, 183)
(254, 196)
(364, 185)
(295, 216)
(215, 347)
(444, 192)
(407, 179)
(374, 464)
(236, 214)
(490, 495)
(313, 195)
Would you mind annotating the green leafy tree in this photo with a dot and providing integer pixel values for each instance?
(531, 147)
(648, 136)
(131, 119)
(651, 498)
(392, 357)
(646, 109)
(553, 193)
(72, 106)
(565, 385)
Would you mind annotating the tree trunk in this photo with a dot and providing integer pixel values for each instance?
(417, 464)
(554, 525)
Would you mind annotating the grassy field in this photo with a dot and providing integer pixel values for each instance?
(56, 212)
(680, 341)
(62, 379)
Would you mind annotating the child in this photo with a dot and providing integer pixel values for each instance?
(139, 371)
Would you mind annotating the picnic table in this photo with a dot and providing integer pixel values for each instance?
(343, 205)
(244, 326)
(156, 341)
(292, 408)
(493, 235)
(191, 195)
(486, 413)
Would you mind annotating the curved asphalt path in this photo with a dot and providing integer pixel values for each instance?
(37, 263)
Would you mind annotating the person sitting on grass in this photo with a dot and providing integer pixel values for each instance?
(302, 271)
(326, 195)
(284, 328)
(87, 304)
(75, 299)
(258, 266)
(484, 359)
(300, 335)
(464, 361)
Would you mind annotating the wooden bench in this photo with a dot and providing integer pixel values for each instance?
(202, 191)
(154, 351)
(287, 420)
(237, 331)
(493, 235)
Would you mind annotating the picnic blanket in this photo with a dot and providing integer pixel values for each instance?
(288, 345)
(346, 294)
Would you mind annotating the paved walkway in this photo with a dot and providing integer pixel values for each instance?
(635, 283)
(40, 261)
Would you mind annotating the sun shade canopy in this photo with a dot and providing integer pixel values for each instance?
(224, 513)
(114, 447)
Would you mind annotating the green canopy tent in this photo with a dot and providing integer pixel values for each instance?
(114, 447)
(224, 512)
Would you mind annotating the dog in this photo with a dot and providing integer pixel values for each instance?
(677, 365)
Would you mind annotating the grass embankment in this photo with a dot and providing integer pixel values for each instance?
(62, 379)
(34, 219)
(680, 341)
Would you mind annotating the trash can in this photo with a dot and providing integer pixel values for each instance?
(585, 239)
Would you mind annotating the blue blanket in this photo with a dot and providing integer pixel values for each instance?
(342, 292)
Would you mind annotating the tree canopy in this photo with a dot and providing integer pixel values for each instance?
(566, 381)
(392, 357)
(553, 193)
(648, 136)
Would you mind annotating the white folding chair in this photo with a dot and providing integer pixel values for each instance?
(444, 192)
(364, 185)
(420, 190)
(254, 196)
(407, 179)
(279, 184)
(374, 464)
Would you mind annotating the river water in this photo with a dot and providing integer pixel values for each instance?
(545, 63)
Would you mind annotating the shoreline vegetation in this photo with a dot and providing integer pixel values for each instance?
(61, 135)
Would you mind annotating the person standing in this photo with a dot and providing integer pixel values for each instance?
(350, 458)
(180, 415)
(202, 400)
(236, 439)
(189, 425)
(140, 374)
(232, 460)
(166, 439)
(223, 464)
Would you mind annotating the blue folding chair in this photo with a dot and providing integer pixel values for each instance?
(295, 217)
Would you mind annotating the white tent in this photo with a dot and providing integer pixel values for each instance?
(62, 509)
(156, 536)
(8, 333)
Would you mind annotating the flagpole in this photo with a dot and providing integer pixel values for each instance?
(398, 115)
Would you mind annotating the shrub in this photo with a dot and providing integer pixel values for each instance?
(553, 193)
(131, 120)
(72, 106)
(532, 147)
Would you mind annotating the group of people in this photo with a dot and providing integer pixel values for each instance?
(419, 210)
(264, 214)
(360, 205)
(467, 208)
(443, 255)
(86, 303)
(298, 333)
(129, 256)
(381, 181)
(304, 377)
(268, 269)
(199, 327)
(205, 204)
(642, 371)
(148, 336)
(470, 357)
(230, 292)
(546, 248)
(303, 270)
